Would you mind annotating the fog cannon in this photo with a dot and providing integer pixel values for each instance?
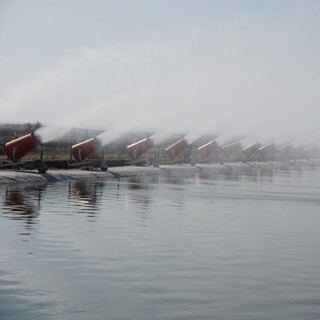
(136, 149)
(268, 152)
(17, 148)
(284, 152)
(312, 152)
(252, 151)
(298, 152)
(84, 149)
(205, 150)
(232, 151)
(175, 149)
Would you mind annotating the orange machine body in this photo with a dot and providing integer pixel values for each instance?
(251, 149)
(232, 148)
(84, 149)
(298, 152)
(312, 152)
(284, 151)
(175, 149)
(17, 148)
(136, 149)
(268, 151)
(206, 149)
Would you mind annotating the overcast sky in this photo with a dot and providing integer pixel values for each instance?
(233, 67)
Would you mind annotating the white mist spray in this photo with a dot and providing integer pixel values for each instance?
(112, 135)
(50, 133)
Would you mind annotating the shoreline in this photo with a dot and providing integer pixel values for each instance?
(184, 170)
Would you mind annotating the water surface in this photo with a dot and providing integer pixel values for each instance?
(228, 247)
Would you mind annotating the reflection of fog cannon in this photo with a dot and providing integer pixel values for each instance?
(136, 149)
(16, 149)
(206, 149)
(19, 206)
(175, 149)
(84, 149)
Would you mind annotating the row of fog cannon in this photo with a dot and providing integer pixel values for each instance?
(210, 151)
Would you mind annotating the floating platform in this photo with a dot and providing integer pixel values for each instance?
(184, 170)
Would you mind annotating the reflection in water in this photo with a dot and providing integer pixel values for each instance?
(142, 182)
(175, 180)
(86, 195)
(234, 173)
(138, 190)
(135, 183)
(172, 249)
(23, 202)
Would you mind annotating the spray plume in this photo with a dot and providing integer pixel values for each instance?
(50, 133)
(180, 84)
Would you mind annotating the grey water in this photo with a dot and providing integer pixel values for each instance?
(219, 247)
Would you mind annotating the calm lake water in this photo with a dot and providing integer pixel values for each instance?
(225, 247)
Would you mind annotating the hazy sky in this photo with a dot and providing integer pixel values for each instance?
(234, 67)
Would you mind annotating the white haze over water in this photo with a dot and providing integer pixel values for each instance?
(220, 80)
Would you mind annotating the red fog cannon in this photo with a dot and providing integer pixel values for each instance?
(175, 149)
(232, 151)
(283, 151)
(232, 148)
(136, 149)
(251, 151)
(268, 151)
(206, 149)
(312, 152)
(84, 149)
(18, 148)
